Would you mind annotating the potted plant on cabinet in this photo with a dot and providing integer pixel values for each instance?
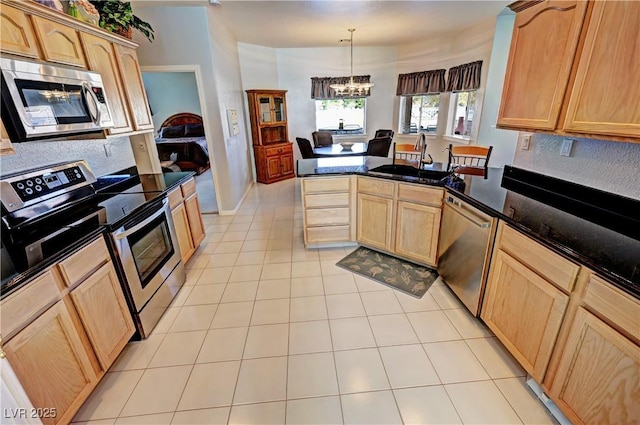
(117, 16)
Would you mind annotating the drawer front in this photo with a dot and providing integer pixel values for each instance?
(175, 197)
(543, 261)
(614, 306)
(85, 261)
(375, 187)
(20, 307)
(278, 150)
(318, 185)
(423, 195)
(326, 200)
(327, 216)
(327, 234)
(188, 188)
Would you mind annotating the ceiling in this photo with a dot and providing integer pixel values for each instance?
(322, 23)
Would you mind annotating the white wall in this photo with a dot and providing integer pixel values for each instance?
(259, 66)
(170, 93)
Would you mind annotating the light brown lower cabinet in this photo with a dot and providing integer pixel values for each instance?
(52, 363)
(375, 215)
(187, 218)
(194, 215)
(416, 226)
(598, 379)
(183, 232)
(525, 312)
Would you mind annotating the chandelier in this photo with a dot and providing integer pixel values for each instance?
(351, 88)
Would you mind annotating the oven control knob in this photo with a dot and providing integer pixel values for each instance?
(38, 180)
(30, 183)
(38, 188)
(28, 191)
(20, 186)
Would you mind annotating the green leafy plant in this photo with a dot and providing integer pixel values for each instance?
(116, 14)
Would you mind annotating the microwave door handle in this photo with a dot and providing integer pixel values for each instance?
(90, 96)
(121, 234)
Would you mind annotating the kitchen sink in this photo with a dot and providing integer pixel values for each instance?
(409, 171)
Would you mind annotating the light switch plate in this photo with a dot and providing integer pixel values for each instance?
(526, 141)
(566, 147)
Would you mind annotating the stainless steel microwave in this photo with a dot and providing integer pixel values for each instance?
(42, 101)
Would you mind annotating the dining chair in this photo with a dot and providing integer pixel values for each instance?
(322, 138)
(305, 147)
(379, 146)
(405, 153)
(469, 159)
(383, 133)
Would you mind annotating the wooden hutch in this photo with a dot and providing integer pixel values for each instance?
(272, 150)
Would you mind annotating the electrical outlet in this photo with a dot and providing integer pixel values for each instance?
(107, 150)
(526, 141)
(566, 147)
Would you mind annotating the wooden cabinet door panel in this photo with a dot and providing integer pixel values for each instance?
(103, 310)
(598, 377)
(134, 88)
(544, 43)
(524, 311)
(420, 245)
(102, 59)
(274, 169)
(374, 221)
(51, 363)
(192, 205)
(606, 91)
(286, 162)
(16, 33)
(183, 233)
(59, 42)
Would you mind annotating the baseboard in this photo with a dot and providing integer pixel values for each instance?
(239, 204)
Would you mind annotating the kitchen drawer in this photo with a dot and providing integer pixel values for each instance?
(82, 263)
(318, 185)
(175, 197)
(614, 306)
(420, 194)
(327, 216)
(21, 307)
(188, 188)
(556, 269)
(328, 234)
(326, 200)
(278, 150)
(375, 187)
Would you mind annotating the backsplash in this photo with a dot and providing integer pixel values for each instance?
(605, 165)
(33, 154)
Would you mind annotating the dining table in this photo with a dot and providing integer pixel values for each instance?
(337, 150)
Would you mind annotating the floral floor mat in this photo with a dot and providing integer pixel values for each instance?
(405, 276)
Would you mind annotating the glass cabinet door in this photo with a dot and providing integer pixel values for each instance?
(264, 109)
(278, 103)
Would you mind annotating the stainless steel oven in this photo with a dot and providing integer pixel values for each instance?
(151, 262)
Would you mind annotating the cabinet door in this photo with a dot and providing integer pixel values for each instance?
(274, 168)
(264, 108)
(183, 232)
(421, 245)
(606, 91)
(194, 216)
(524, 311)
(59, 42)
(51, 363)
(16, 33)
(103, 310)
(544, 43)
(599, 374)
(6, 147)
(102, 59)
(374, 221)
(279, 108)
(134, 88)
(286, 163)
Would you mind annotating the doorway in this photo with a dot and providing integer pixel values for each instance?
(175, 91)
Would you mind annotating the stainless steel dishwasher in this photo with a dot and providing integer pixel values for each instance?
(466, 242)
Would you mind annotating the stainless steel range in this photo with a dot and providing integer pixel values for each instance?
(47, 210)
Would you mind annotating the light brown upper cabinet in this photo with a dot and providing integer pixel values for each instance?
(543, 45)
(16, 33)
(102, 59)
(134, 88)
(573, 69)
(60, 43)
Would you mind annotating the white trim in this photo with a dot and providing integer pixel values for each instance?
(235, 210)
(458, 139)
(201, 96)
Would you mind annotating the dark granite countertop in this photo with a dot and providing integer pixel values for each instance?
(610, 248)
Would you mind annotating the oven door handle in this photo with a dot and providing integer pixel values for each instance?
(121, 234)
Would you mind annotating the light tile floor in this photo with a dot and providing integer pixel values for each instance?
(267, 332)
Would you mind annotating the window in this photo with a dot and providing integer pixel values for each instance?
(341, 116)
(419, 113)
(462, 111)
